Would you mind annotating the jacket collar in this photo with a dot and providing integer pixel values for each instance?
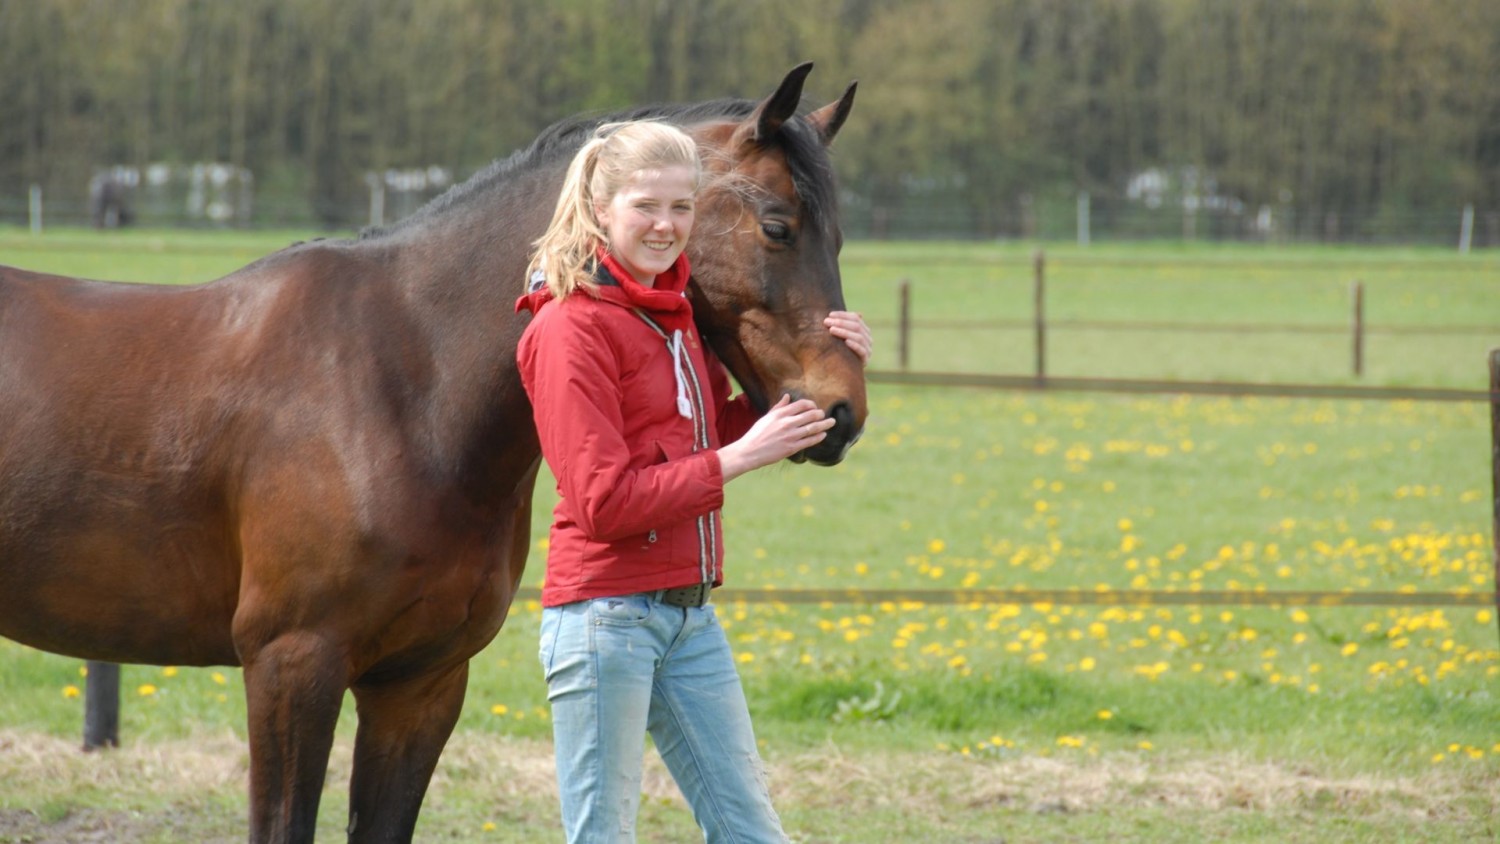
(666, 302)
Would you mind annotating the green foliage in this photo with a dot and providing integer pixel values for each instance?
(976, 118)
(879, 706)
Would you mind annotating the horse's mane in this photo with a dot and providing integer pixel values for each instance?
(812, 174)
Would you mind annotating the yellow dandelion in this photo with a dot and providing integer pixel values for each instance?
(499, 709)
(145, 690)
(936, 546)
(71, 691)
(1350, 649)
(1105, 715)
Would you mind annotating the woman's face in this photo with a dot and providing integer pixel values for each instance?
(649, 219)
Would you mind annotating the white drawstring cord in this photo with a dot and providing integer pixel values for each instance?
(684, 407)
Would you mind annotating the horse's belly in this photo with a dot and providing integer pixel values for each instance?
(93, 594)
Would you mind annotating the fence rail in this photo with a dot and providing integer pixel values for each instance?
(1233, 389)
(1157, 327)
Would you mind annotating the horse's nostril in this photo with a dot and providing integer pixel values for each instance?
(843, 418)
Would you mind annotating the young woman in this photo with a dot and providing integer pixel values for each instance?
(629, 643)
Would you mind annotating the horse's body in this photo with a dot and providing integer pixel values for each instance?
(320, 467)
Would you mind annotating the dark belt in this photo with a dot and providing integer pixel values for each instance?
(683, 596)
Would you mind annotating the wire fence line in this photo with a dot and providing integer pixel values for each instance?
(917, 598)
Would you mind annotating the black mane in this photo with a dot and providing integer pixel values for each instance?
(812, 174)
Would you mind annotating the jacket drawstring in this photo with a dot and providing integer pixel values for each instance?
(679, 360)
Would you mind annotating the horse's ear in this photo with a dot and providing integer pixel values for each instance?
(830, 118)
(766, 120)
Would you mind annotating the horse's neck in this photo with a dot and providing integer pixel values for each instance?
(460, 275)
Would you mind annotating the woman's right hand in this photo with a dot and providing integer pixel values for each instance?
(787, 428)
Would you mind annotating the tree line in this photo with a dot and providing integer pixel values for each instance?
(974, 117)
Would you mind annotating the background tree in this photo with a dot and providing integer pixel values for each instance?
(1340, 118)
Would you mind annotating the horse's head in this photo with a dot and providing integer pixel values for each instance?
(765, 259)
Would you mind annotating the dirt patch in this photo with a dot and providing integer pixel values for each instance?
(85, 827)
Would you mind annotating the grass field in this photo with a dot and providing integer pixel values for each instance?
(1035, 722)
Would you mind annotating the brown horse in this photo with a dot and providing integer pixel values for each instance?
(321, 466)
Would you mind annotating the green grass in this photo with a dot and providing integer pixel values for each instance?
(1028, 723)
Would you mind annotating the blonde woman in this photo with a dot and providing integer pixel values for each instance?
(637, 424)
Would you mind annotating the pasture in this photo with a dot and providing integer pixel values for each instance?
(906, 720)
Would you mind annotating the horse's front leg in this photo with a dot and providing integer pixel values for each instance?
(294, 686)
(403, 725)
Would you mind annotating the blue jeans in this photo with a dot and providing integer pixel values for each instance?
(619, 667)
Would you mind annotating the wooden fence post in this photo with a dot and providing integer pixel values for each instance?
(903, 342)
(1357, 325)
(101, 706)
(1495, 470)
(1039, 298)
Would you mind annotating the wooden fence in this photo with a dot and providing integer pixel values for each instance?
(102, 696)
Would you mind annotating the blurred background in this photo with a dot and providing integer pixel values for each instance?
(1364, 121)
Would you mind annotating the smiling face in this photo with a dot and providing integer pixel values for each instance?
(648, 220)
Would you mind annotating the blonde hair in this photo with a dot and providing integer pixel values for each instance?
(566, 254)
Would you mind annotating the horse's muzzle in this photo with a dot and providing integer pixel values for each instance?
(840, 438)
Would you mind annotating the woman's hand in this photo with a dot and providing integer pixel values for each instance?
(787, 428)
(850, 327)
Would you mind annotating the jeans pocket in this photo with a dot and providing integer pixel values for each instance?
(622, 611)
(547, 641)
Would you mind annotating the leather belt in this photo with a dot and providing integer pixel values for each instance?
(683, 596)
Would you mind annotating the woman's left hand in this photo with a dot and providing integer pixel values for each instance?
(850, 327)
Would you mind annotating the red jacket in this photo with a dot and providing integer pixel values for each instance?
(632, 446)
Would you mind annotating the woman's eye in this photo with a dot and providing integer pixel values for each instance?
(776, 231)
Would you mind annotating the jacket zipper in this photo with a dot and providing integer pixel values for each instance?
(707, 525)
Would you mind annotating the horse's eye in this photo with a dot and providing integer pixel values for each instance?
(779, 232)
